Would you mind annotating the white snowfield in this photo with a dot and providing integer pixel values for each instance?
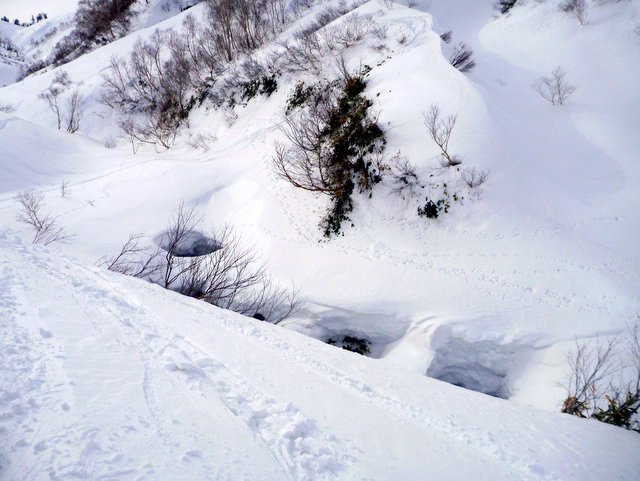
(109, 378)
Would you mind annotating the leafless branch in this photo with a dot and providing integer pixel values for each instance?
(440, 129)
(46, 230)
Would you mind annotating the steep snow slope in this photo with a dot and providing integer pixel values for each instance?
(491, 296)
(105, 377)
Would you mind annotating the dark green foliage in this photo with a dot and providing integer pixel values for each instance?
(353, 137)
(250, 89)
(620, 411)
(335, 144)
(431, 209)
(506, 5)
(299, 96)
(341, 205)
(264, 85)
(268, 85)
(352, 343)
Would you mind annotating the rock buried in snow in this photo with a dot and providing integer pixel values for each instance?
(192, 244)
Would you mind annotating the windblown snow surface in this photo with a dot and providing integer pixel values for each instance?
(104, 377)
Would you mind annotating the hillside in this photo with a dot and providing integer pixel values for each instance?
(492, 294)
(124, 381)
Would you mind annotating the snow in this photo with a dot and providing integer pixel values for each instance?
(23, 9)
(123, 380)
(116, 379)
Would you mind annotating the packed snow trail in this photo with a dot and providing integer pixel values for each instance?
(105, 377)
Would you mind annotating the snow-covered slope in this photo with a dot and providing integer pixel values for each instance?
(492, 296)
(105, 377)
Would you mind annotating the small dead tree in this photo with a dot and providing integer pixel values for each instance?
(61, 82)
(64, 188)
(73, 114)
(440, 129)
(46, 230)
(555, 89)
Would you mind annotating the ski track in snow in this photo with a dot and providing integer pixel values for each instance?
(297, 442)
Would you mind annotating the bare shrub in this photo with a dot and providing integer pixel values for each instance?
(73, 113)
(474, 178)
(577, 8)
(150, 90)
(242, 25)
(446, 36)
(555, 89)
(60, 83)
(403, 176)
(230, 116)
(46, 230)
(134, 259)
(380, 32)
(304, 162)
(200, 141)
(462, 58)
(351, 31)
(7, 108)
(303, 54)
(149, 128)
(603, 387)
(328, 14)
(226, 274)
(96, 22)
(440, 129)
(232, 278)
(229, 275)
(200, 44)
